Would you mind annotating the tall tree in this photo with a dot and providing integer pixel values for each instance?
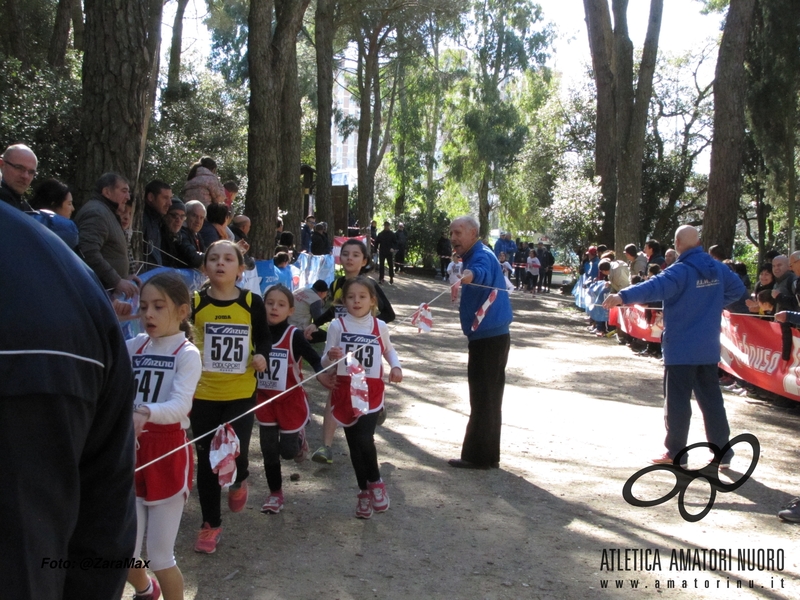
(773, 82)
(122, 42)
(727, 147)
(507, 41)
(57, 51)
(291, 191)
(612, 57)
(372, 32)
(17, 42)
(78, 25)
(174, 68)
(324, 33)
(269, 50)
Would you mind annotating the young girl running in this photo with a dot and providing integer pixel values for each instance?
(166, 367)
(355, 260)
(359, 332)
(233, 339)
(454, 271)
(282, 422)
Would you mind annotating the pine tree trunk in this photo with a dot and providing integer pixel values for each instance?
(727, 147)
(632, 107)
(118, 65)
(18, 39)
(57, 52)
(324, 33)
(78, 25)
(367, 66)
(174, 69)
(598, 21)
(268, 53)
(291, 194)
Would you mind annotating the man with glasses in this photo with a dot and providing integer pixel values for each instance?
(18, 167)
(190, 247)
(177, 250)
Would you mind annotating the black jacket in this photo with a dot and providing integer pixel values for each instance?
(13, 198)
(65, 419)
(319, 244)
(386, 241)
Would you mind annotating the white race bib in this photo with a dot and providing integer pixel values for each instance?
(226, 348)
(340, 311)
(274, 377)
(152, 375)
(368, 353)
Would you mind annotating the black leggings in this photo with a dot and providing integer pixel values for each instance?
(361, 442)
(206, 416)
(274, 446)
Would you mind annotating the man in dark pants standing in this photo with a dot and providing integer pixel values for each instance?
(485, 317)
(386, 243)
(694, 291)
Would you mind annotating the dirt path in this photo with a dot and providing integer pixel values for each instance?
(581, 415)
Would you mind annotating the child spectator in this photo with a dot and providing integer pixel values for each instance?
(533, 266)
(454, 271)
(766, 303)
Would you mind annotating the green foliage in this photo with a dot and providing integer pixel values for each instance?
(41, 108)
(527, 188)
(209, 119)
(423, 234)
(575, 213)
(227, 21)
(36, 19)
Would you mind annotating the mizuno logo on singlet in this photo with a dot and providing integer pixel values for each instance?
(355, 338)
(148, 362)
(226, 329)
(222, 317)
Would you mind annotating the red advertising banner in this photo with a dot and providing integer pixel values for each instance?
(337, 245)
(750, 349)
(638, 322)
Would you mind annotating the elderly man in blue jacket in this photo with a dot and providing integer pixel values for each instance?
(694, 290)
(485, 313)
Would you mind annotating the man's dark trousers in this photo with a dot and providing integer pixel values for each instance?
(679, 382)
(486, 373)
(390, 258)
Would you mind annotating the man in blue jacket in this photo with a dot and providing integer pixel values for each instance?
(485, 316)
(694, 291)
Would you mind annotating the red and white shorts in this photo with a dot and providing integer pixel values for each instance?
(289, 412)
(169, 476)
(342, 405)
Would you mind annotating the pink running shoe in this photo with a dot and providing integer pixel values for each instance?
(237, 498)
(380, 499)
(364, 506)
(273, 504)
(155, 592)
(207, 539)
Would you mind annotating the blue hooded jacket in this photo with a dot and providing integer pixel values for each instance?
(486, 270)
(694, 290)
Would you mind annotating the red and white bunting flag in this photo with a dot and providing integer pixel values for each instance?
(422, 318)
(224, 450)
(482, 310)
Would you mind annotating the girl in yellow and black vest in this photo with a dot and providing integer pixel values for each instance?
(233, 339)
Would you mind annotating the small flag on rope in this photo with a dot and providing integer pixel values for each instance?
(482, 310)
(224, 450)
(422, 318)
